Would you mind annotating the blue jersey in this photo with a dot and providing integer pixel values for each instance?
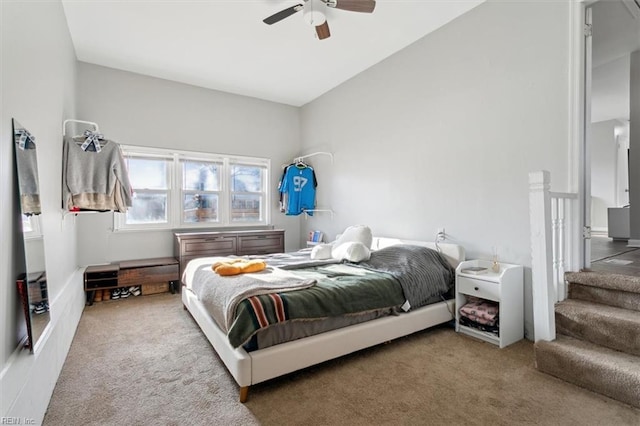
(299, 183)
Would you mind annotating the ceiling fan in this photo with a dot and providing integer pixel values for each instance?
(313, 12)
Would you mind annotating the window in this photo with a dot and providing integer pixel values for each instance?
(188, 189)
(201, 191)
(150, 181)
(247, 193)
(31, 226)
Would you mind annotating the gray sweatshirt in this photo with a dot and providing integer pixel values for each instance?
(95, 180)
(27, 162)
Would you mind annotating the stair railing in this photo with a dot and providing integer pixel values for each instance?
(554, 245)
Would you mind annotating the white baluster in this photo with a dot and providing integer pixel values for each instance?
(560, 288)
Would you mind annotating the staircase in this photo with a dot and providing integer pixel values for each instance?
(597, 345)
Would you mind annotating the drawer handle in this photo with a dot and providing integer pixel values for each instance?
(262, 236)
(476, 288)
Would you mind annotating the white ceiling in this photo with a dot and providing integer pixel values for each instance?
(224, 45)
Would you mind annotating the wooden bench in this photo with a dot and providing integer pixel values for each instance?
(155, 275)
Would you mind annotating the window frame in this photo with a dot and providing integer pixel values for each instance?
(175, 192)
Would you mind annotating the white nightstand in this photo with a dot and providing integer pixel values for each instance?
(504, 287)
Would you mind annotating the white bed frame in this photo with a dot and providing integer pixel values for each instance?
(249, 368)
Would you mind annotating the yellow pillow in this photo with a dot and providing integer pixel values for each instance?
(226, 262)
(238, 266)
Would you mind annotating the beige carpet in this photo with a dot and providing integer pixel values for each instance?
(143, 361)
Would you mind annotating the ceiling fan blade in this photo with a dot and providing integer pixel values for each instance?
(282, 14)
(365, 6)
(323, 31)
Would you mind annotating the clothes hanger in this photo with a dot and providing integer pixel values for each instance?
(91, 138)
(301, 164)
(25, 139)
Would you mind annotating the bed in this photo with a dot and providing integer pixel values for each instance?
(250, 365)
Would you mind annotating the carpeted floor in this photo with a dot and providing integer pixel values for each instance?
(144, 361)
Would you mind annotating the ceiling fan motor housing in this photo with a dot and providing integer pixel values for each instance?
(313, 12)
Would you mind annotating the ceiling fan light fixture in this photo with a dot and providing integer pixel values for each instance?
(313, 12)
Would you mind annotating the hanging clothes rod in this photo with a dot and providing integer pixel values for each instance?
(306, 212)
(297, 159)
(91, 123)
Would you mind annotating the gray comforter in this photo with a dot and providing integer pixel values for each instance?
(421, 271)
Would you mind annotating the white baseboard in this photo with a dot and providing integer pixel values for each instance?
(27, 381)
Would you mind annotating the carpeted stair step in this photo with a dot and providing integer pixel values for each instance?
(618, 290)
(599, 369)
(604, 325)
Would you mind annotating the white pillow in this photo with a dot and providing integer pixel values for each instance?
(384, 242)
(358, 233)
(321, 252)
(351, 251)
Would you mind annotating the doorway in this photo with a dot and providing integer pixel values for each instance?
(615, 36)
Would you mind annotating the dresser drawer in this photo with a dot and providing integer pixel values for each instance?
(479, 288)
(150, 274)
(210, 246)
(186, 259)
(260, 244)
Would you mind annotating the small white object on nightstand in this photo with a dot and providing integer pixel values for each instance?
(504, 287)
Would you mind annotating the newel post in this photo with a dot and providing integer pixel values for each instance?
(541, 254)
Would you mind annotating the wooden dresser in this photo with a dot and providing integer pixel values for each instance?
(191, 245)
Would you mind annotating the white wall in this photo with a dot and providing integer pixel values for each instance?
(134, 109)
(38, 89)
(610, 90)
(445, 132)
(604, 154)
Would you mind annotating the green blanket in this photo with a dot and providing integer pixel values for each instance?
(340, 290)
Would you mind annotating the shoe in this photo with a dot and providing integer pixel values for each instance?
(115, 294)
(106, 294)
(124, 293)
(97, 296)
(135, 290)
(40, 309)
